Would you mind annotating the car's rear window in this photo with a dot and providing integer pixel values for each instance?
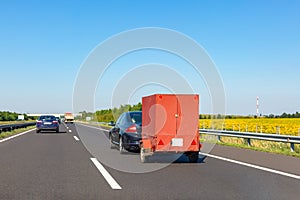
(47, 118)
(136, 118)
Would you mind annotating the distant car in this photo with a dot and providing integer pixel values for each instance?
(47, 123)
(111, 123)
(58, 119)
(127, 132)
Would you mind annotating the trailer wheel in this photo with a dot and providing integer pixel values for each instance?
(144, 158)
(121, 147)
(193, 157)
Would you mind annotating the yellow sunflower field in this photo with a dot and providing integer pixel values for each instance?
(283, 126)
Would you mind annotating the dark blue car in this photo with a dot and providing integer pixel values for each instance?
(47, 123)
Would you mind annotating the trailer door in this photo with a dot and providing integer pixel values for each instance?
(169, 103)
(186, 123)
(187, 114)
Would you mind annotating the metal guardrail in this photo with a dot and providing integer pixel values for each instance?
(10, 127)
(257, 136)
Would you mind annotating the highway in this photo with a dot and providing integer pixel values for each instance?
(77, 163)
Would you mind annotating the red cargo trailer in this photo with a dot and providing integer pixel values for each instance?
(170, 124)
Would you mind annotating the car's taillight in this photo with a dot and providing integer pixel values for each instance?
(39, 122)
(54, 122)
(131, 129)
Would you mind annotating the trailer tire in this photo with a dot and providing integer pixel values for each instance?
(193, 157)
(144, 158)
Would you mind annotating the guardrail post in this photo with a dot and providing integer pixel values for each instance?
(248, 141)
(278, 130)
(260, 128)
(219, 138)
(292, 147)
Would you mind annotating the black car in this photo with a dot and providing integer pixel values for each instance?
(127, 132)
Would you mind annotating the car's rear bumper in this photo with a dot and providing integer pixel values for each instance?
(131, 141)
(49, 128)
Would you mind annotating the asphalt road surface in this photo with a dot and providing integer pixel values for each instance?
(77, 163)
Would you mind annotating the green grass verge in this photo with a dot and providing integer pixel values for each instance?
(257, 145)
(15, 122)
(14, 132)
(284, 151)
(104, 126)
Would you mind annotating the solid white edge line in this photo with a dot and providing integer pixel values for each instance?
(94, 127)
(11, 137)
(76, 138)
(253, 166)
(110, 180)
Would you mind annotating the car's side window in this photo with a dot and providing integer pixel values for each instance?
(123, 120)
(128, 119)
(120, 118)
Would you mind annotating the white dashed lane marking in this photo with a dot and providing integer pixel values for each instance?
(76, 138)
(110, 180)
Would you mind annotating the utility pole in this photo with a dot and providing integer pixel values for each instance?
(257, 98)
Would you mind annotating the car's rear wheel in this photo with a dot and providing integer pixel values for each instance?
(121, 146)
(37, 131)
(111, 144)
(57, 130)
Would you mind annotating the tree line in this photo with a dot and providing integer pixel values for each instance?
(285, 115)
(108, 115)
(12, 116)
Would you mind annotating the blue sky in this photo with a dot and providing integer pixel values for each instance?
(254, 44)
